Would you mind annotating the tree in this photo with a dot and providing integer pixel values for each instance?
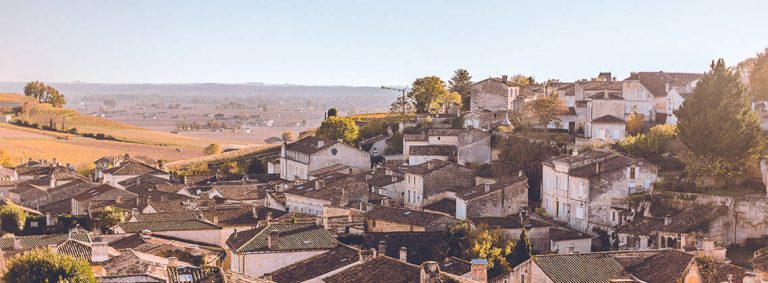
(492, 245)
(444, 101)
(111, 215)
(44, 93)
(335, 128)
(110, 103)
(332, 112)
(461, 83)
(43, 265)
(717, 125)
(652, 144)
(424, 92)
(287, 136)
(5, 159)
(12, 218)
(758, 77)
(635, 123)
(211, 149)
(521, 252)
(522, 79)
(544, 111)
(402, 105)
(526, 153)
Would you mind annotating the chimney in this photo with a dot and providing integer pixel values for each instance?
(319, 184)
(53, 248)
(383, 247)
(273, 238)
(667, 220)
(99, 252)
(269, 215)
(403, 254)
(52, 183)
(173, 261)
(487, 187)
(429, 165)
(707, 245)
(430, 272)
(504, 78)
(215, 219)
(597, 166)
(571, 249)
(666, 87)
(367, 255)
(479, 271)
(17, 244)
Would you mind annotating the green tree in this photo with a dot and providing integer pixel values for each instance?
(459, 239)
(652, 144)
(402, 104)
(332, 112)
(5, 159)
(461, 83)
(43, 265)
(12, 218)
(522, 79)
(111, 215)
(521, 252)
(718, 126)
(287, 136)
(44, 93)
(635, 123)
(424, 92)
(337, 127)
(492, 245)
(758, 76)
(211, 149)
(444, 101)
(544, 111)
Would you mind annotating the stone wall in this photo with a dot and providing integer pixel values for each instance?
(504, 202)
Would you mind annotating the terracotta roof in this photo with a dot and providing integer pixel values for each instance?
(159, 226)
(508, 222)
(433, 150)
(209, 274)
(382, 269)
(40, 241)
(380, 178)
(96, 193)
(310, 145)
(430, 166)
(608, 119)
(656, 82)
(760, 260)
(415, 137)
(133, 167)
(562, 234)
(240, 216)
(578, 268)
(132, 262)
(311, 268)
(166, 216)
(242, 192)
(422, 246)
(480, 190)
(292, 237)
(75, 248)
(405, 216)
(666, 266)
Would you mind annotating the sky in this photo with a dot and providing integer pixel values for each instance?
(367, 43)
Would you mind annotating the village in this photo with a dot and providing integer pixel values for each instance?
(501, 179)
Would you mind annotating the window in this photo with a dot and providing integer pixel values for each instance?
(647, 183)
(632, 172)
(580, 211)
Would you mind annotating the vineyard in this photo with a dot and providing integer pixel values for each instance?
(62, 119)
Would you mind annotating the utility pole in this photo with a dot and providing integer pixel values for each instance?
(400, 90)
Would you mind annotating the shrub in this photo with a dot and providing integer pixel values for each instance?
(43, 265)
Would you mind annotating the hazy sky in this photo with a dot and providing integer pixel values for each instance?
(367, 42)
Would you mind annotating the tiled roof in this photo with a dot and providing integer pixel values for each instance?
(167, 216)
(292, 237)
(132, 262)
(562, 234)
(382, 269)
(480, 190)
(581, 268)
(310, 145)
(608, 119)
(433, 150)
(75, 248)
(447, 206)
(429, 166)
(455, 266)
(380, 178)
(656, 82)
(405, 216)
(422, 246)
(242, 192)
(209, 274)
(508, 222)
(133, 167)
(94, 193)
(609, 164)
(760, 261)
(655, 266)
(600, 85)
(332, 188)
(605, 95)
(186, 225)
(240, 216)
(415, 137)
(693, 219)
(40, 241)
(336, 258)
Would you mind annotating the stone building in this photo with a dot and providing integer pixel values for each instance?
(459, 145)
(433, 181)
(648, 92)
(505, 197)
(494, 94)
(605, 116)
(300, 158)
(391, 219)
(590, 190)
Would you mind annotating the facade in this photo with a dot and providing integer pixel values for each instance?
(300, 158)
(648, 92)
(433, 181)
(391, 219)
(675, 99)
(129, 169)
(494, 94)
(605, 116)
(503, 198)
(583, 191)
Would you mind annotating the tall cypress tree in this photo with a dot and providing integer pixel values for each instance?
(521, 252)
(461, 82)
(718, 125)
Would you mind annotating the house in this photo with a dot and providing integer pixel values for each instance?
(387, 182)
(433, 181)
(675, 98)
(391, 219)
(505, 197)
(193, 230)
(469, 146)
(8, 174)
(105, 163)
(135, 266)
(128, 169)
(567, 241)
(337, 190)
(84, 202)
(512, 226)
(192, 252)
(209, 274)
(605, 116)
(484, 119)
(378, 268)
(684, 229)
(315, 268)
(658, 266)
(494, 94)
(648, 92)
(268, 248)
(375, 145)
(300, 158)
(590, 189)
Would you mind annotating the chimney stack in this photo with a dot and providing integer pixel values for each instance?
(99, 252)
(367, 255)
(383, 247)
(269, 215)
(430, 272)
(479, 270)
(52, 183)
(667, 220)
(707, 245)
(273, 238)
(146, 234)
(48, 220)
(403, 254)
(504, 78)
(487, 187)
(571, 249)
(429, 165)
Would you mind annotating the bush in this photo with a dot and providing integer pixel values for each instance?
(212, 149)
(12, 218)
(651, 145)
(43, 265)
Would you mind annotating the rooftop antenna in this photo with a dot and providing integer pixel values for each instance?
(402, 90)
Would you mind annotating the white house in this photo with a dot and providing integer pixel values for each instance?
(130, 169)
(300, 158)
(675, 99)
(605, 116)
(648, 92)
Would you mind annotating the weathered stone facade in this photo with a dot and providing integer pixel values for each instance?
(493, 94)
